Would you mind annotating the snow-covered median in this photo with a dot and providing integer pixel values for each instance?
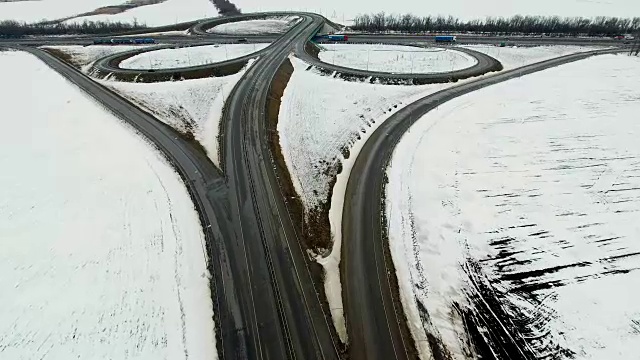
(193, 107)
(530, 191)
(190, 56)
(323, 124)
(395, 58)
(277, 25)
(101, 250)
(514, 56)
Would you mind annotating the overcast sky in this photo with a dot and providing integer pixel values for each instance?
(460, 8)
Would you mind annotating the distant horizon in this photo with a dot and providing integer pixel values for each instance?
(462, 9)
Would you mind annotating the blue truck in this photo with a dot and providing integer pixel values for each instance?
(445, 39)
(334, 37)
(121, 41)
(331, 37)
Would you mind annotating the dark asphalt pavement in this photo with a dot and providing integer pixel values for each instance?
(289, 298)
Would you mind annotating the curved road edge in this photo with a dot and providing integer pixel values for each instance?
(296, 316)
(484, 64)
(374, 322)
(208, 191)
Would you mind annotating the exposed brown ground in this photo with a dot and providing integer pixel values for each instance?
(316, 233)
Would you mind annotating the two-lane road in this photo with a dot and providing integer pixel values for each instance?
(288, 298)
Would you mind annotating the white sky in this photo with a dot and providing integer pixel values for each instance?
(340, 10)
(460, 8)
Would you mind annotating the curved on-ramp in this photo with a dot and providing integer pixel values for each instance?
(375, 316)
(110, 66)
(484, 64)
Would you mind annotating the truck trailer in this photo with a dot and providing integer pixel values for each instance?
(123, 41)
(445, 39)
(335, 37)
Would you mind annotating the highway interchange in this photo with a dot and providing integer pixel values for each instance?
(265, 301)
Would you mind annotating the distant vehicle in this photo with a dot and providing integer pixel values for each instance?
(619, 37)
(445, 39)
(144, 41)
(629, 37)
(243, 40)
(335, 37)
(121, 41)
(101, 41)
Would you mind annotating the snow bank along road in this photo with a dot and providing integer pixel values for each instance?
(524, 196)
(265, 303)
(102, 251)
(206, 187)
(368, 298)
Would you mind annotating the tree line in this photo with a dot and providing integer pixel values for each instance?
(11, 28)
(518, 24)
(226, 7)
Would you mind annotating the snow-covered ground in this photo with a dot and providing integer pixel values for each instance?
(322, 119)
(102, 253)
(165, 13)
(33, 11)
(84, 56)
(189, 106)
(395, 58)
(513, 56)
(190, 56)
(342, 11)
(529, 189)
(276, 25)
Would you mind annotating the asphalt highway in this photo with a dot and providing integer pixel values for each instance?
(366, 273)
(289, 300)
(265, 302)
(353, 38)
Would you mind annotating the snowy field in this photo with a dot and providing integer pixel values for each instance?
(84, 56)
(513, 56)
(165, 13)
(343, 11)
(189, 106)
(190, 56)
(395, 58)
(323, 122)
(257, 27)
(102, 251)
(527, 193)
(33, 11)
